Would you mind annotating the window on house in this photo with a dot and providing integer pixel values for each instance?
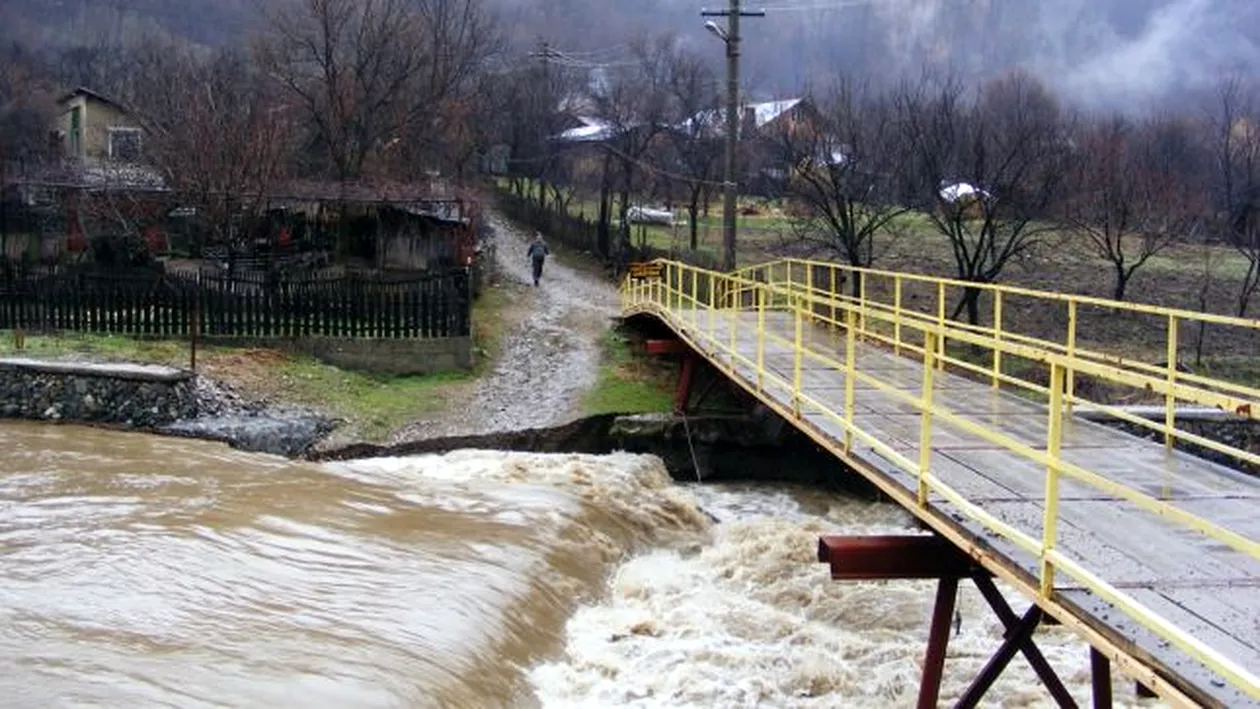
(124, 144)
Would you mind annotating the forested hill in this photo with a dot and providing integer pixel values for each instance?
(1098, 51)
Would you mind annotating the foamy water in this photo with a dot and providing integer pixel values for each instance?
(751, 619)
(140, 571)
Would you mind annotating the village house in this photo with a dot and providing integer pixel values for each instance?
(95, 129)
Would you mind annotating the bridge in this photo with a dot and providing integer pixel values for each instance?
(1146, 546)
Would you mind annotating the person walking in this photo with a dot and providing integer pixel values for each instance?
(538, 253)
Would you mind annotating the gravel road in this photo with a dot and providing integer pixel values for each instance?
(548, 360)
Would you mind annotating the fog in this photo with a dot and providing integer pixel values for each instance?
(1133, 54)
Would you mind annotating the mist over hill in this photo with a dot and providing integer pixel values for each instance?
(1133, 54)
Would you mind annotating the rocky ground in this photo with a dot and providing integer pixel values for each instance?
(547, 361)
(249, 424)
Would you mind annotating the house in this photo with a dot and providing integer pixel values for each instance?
(96, 129)
(760, 124)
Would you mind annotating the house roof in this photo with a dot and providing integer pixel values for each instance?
(763, 113)
(84, 91)
(593, 130)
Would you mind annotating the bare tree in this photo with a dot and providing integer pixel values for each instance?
(26, 106)
(985, 170)
(1132, 192)
(635, 107)
(215, 131)
(1237, 156)
(355, 68)
(844, 170)
(696, 137)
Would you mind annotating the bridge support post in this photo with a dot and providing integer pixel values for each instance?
(1100, 671)
(682, 392)
(919, 557)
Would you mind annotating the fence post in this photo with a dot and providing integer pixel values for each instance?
(761, 338)
(1071, 353)
(809, 287)
(712, 304)
(930, 340)
(194, 331)
(1170, 399)
(1054, 439)
(695, 297)
(897, 314)
(862, 278)
(997, 336)
(797, 353)
(940, 322)
(850, 377)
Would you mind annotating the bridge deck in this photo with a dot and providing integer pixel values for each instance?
(1204, 587)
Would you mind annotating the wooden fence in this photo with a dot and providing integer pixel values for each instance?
(436, 306)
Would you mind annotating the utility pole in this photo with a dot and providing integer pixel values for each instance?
(545, 53)
(731, 38)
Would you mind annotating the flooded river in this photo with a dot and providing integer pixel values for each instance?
(141, 571)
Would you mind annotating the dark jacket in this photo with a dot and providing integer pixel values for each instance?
(538, 251)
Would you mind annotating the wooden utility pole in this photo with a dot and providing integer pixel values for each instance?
(731, 37)
(545, 53)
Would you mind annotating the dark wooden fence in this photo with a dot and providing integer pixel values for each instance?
(435, 306)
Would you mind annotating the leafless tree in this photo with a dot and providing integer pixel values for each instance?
(985, 169)
(1132, 191)
(375, 78)
(844, 168)
(635, 106)
(26, 106)
(696, 136)
(1236, 130)
(215, 131)
(348, 63)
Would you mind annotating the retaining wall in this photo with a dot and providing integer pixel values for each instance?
(138, 396)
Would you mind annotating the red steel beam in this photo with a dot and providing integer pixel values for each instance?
(895, 557)
(938, 643)
(665, 347)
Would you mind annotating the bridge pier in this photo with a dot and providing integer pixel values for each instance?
(688, 374)
(927, 557)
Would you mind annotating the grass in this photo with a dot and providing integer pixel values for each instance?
(627, 384)
(372, 406)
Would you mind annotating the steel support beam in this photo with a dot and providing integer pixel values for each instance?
(1031, 653)
(938, 642)
(894, 557)
(1015, 640)
(665, 347)
(1100, 670)
(682, 393)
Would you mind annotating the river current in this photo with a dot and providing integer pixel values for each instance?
(140, 571)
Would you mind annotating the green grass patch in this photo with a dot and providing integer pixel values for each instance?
(627, 384)
(373, 406)
(111, 348)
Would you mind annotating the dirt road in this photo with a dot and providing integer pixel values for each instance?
(548, 360)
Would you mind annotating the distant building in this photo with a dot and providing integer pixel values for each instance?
(95, 129)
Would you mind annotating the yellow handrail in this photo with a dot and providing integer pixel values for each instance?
(773, 288)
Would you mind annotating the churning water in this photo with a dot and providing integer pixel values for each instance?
(142, 571)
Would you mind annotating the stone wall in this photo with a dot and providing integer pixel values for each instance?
(136, 396)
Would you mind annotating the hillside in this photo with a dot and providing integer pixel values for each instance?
(1103, 52)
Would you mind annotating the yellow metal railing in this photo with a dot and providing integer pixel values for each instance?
(707, 308)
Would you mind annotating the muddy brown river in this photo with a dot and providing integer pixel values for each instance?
(138, 571)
